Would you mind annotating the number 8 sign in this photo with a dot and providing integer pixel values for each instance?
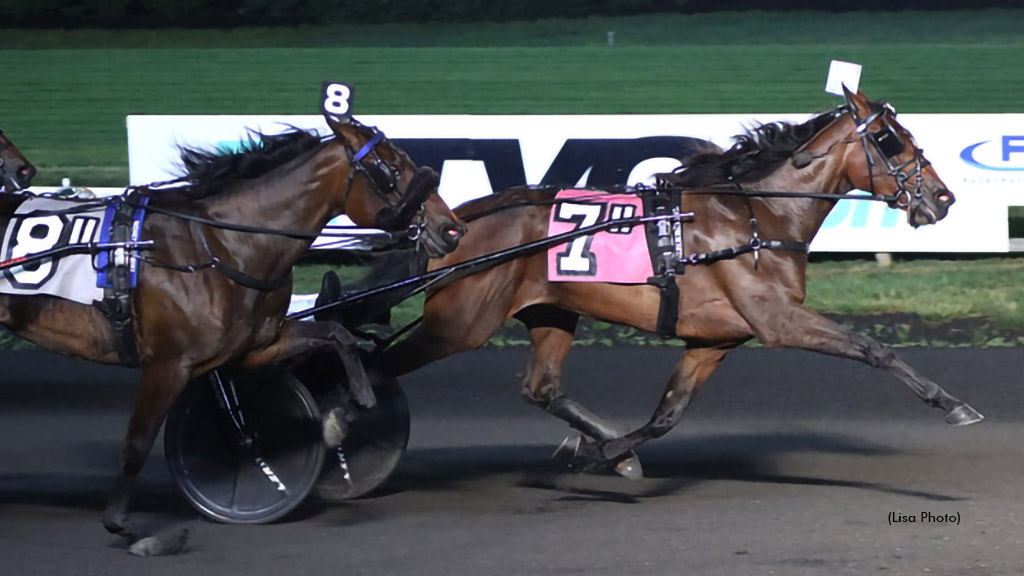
(336, 99)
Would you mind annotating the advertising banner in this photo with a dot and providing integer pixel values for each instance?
(979, 156)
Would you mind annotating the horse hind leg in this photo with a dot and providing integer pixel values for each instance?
(551, 334)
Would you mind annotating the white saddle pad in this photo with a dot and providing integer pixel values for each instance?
(72, 277)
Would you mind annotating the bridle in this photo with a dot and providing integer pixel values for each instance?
(888, 145)
(410, 209)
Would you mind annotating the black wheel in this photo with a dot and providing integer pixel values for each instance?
(372, 449)
(237, 483)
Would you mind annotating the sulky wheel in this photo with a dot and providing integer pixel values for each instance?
(374, 445)
(244, 451)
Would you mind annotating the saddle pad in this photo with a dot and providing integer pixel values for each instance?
(618, 256)
(71, 277)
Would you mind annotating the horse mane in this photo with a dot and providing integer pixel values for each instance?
(756, 152)
(521, 195)
(207, 172)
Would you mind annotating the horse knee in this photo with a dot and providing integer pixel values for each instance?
(771, 338)
(876, 354)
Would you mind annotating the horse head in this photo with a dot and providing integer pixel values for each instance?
(386, 189)
(890, 163)
(16, 171)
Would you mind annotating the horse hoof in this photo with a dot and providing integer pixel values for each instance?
(963, 415)
(630, 468)
(167, 543)
(334, 428)
(568, 449)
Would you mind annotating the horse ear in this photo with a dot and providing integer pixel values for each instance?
(336, 106)
(850, 97)
(857, 103)
(344, 129)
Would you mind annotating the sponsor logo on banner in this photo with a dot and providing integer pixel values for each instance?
(1009, 156)
(998, 162)
(977, 155)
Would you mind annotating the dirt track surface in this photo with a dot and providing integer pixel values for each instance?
(788, 463)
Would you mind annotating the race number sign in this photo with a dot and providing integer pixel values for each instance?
(618, 255)
(336, 100)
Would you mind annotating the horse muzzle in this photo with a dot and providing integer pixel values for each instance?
(17, 177)
(442, 240)
(928, 208)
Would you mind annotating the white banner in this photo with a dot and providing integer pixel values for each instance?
(979, 156)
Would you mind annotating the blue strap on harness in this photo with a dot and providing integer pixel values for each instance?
(377, 138)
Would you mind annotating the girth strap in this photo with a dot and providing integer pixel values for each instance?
(117, 303)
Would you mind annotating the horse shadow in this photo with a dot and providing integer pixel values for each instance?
(492, 475)
(672, 467)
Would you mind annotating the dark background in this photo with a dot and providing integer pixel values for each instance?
(230, 13)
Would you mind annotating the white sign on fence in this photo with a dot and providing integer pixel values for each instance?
(979, 156)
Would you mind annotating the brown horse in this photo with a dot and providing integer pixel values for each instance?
(721, 304)
(215, 292)
(16, 172)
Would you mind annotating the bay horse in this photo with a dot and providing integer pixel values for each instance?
(721, 305)
(215, 289)
(16, 172)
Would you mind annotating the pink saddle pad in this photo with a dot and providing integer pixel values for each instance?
(618, 255)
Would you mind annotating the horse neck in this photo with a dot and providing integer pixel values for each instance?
(297, 196)
(801, 218)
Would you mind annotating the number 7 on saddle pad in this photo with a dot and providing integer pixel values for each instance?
(618, 256)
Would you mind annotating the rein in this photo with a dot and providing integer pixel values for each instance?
(703, 191)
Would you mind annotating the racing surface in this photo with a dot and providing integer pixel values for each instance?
(787, 463)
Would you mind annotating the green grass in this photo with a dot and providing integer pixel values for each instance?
(935, 290)
(67, 93)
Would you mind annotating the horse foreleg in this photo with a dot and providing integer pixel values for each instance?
(798, 327)
(160, 387)
(300, 337)
(551, 334)
(695, 367)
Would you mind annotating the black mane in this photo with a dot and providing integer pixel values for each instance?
(754, 154)
(207, 172)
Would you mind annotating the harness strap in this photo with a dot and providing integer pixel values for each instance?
(286, 232)
(730, 253)
(668, 307)
(239, 277)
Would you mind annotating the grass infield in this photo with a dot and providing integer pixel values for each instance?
(67, 92)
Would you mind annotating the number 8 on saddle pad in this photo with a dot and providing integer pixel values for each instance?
(41, 224)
